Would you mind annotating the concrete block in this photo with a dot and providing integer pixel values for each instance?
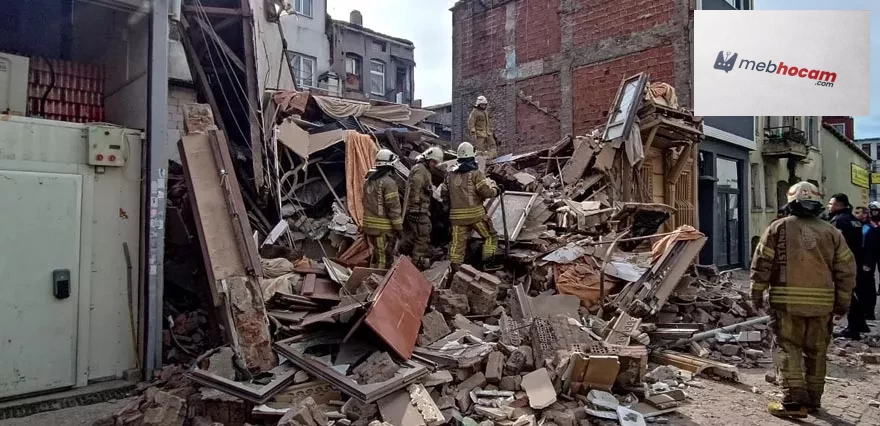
(434, 328)
(482, 297)
(510, 383)
(539, 389)
(450, 303)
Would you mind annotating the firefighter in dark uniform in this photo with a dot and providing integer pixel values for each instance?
(417, 205)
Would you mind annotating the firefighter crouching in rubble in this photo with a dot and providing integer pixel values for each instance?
(480, 128)
(382, 215)
(417, 204)
(809, 271)
(466, 187)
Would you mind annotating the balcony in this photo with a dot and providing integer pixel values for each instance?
(784, 142)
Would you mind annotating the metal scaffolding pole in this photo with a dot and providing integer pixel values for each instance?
(157, 138)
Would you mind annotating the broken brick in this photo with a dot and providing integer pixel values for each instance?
(379, 367)
(451, 304)
(510, 383)
(434, 328)
(494, 366)
(482, 297)
(462, 395)
(304, 413)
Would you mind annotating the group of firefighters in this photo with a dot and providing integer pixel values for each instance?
(802, 261)
(390, 227)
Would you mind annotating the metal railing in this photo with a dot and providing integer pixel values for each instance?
(785, 134)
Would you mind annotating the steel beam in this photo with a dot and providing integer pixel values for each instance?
(157, 138)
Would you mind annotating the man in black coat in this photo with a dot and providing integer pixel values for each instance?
(841, 216)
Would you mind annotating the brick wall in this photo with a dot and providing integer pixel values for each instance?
(596, 85)
(178, 96)
(568, 55)
(597, 20)
(538, 30)
(542, 128)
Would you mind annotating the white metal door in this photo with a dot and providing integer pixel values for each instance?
(39, 233)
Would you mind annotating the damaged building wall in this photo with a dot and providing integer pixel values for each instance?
(565, 56)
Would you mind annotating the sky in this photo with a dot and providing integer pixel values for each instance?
(428, 24)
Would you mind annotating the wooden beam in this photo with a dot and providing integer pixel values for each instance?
(217, 11)
(650, 140)
(253, 95)
(206, 28)
(198, 72)
(675, 171)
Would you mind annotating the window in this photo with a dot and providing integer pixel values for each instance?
(813, 130)
(757, 186)
(840, 127)
(378, 46)
(377, 77)
(303, 7)
(303, 69)
(353, 65)
(867, 148)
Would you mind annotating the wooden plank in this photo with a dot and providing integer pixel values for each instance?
(575, 167)
(676, 169)
(235, 291)
(217, 11)
(210, 32)
(308, 287)
(198, 73)
(253, 97)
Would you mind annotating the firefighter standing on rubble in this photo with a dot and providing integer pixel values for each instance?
(809, 271)
(480, 128)
(382, 214)
(419, 189)
(466, 187)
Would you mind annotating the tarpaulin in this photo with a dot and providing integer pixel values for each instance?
(360, 153)
(394, 113)
(578, 279)
(683, 233)
(662, 94)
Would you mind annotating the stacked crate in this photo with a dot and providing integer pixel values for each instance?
(77, 94)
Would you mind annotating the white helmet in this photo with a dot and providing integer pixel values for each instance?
(385, 158)
(874, 205)
(804, 191)
(433, 153)
(481, 100)
(466, 150)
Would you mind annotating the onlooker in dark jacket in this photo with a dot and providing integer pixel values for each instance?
(840, 213)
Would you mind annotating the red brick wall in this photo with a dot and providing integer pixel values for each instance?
(538, 30)
(848, 121)
(480, 40)
(595, 86)
(600, 19)
(534, 128)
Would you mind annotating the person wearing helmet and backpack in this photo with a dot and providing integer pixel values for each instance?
(417, 226)
(466, 187)
(382, 213)
(480, 128)
(809, 271)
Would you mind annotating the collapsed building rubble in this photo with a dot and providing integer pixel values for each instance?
(599, 280)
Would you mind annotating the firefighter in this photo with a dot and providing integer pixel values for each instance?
(419, 190)
(466, 187)
(480, 127)
(809, 271)
(382, 216)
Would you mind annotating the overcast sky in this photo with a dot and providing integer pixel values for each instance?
(428, 24)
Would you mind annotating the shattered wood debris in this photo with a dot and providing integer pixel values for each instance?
(598, 279)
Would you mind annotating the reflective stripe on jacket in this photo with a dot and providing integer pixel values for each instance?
(806, 265)
(381, 206)
(467, 191)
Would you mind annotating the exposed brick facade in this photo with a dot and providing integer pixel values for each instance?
(567, 56)
(596, 85)
(849, 124)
